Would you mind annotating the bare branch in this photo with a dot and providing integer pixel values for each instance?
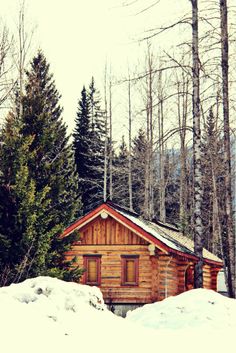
(148, 8)
(163, 29)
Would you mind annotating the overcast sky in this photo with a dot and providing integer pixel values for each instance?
(78, 36)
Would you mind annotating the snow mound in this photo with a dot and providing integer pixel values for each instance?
(48, 315)
(197, 308)
(45, 314)
(55, 293)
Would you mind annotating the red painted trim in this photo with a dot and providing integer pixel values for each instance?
(212, 262)
(124, 259)
(82, 221)
(98, 261)
(136, 228)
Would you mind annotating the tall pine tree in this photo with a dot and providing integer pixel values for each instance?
(39, 181)
(139, 152)
(97, 142)
(121, 176)
(88, 145)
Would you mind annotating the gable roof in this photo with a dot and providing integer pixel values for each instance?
(167, 238)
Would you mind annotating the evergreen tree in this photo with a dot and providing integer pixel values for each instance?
(171, 164)
(12, 152)
(81, 146)
(39, 181)
(120, 177)
(97, 142)
(139, 160)
(21, 206)
(88, 145)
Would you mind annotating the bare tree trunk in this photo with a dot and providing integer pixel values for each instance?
(106, 138)
(130, 146)
(151, 159)
(216, 226)
(162, 183)
(216, 223)
(162, 169)
(147, 168)
(21, 36)
(228, 221)
(6, 85)
(24, 42)
(148, 191)
(111, 145)
(182, 89)
(197, 216)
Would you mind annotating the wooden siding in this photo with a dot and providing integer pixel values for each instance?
(168, 276)
(207, 277)
(210, 277)
(111, 239)
(111, 270)
(108, 232)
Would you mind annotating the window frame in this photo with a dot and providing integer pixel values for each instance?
(124, 259)
(86, 258)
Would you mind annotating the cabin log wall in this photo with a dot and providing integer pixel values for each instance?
(111, 287)
(160, 275)
(207, 276)
(111, 240)
(210, 277)
(168, 276)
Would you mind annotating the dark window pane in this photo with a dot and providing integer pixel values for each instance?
(130, 271)
(92, 269)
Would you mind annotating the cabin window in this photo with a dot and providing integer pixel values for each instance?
(130, 264)
(92, 265)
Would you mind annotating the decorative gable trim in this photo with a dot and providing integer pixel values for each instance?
(119, 218)
(134, 228)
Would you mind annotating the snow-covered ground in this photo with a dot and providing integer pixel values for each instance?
(198, 308)
(48, 315)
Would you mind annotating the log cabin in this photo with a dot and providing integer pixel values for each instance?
(134, 261)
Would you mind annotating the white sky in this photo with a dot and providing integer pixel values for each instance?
(77, 38)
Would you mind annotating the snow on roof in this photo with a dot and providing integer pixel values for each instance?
(168, 235)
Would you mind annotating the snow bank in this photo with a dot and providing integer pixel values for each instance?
(42, 311)
(198, 308)
(54, 293)
(46, 315)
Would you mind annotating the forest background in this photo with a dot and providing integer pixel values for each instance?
(156, 136)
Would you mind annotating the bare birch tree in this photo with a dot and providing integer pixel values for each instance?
(228, 217)
(106, 139)
(149, 165)
(161, 151)
(110, 141)
(6, 84)
(23, 40)
(197, 216)
(130, 147)
(183, 99)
